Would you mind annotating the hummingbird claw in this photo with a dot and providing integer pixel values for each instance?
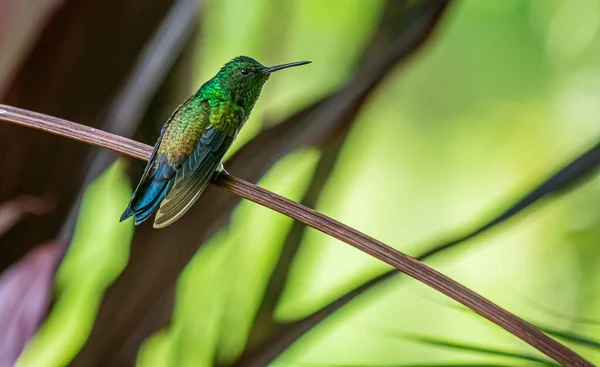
(221, 168)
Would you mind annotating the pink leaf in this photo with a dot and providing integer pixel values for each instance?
(25, 291)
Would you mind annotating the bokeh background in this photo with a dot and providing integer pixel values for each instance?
(444, 117)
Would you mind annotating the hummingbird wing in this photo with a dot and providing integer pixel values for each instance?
(155, 181)
(199, 167)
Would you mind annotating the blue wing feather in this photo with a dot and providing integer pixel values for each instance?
(154, 184)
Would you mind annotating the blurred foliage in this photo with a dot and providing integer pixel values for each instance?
(96, 256)
(505, 94)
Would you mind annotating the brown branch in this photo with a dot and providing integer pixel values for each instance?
(320, 222)
(569, 176)
(71, 130)
(405, 264)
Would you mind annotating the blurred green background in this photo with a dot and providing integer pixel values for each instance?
(504, 95)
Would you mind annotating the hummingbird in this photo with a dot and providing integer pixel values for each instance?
(193, 141)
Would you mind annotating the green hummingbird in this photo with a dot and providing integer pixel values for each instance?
(194, 140)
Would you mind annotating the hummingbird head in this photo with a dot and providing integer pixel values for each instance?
(242, 79)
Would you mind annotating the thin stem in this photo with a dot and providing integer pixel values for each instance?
(71, 130)
(320, 222)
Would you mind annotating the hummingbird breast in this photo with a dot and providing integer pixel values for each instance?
(227, 117)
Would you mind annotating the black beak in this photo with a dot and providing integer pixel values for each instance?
(271, 69)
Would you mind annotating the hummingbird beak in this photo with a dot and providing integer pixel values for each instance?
(271, 69)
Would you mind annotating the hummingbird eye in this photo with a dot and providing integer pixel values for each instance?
(244, 71)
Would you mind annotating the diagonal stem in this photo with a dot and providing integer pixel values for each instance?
(571, 174)
(320, 222)
(405, 264)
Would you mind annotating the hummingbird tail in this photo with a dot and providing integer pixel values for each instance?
(146, 200)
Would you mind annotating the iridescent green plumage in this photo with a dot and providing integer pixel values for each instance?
(195, 139)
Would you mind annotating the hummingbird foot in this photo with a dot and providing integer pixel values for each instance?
(221, 169)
